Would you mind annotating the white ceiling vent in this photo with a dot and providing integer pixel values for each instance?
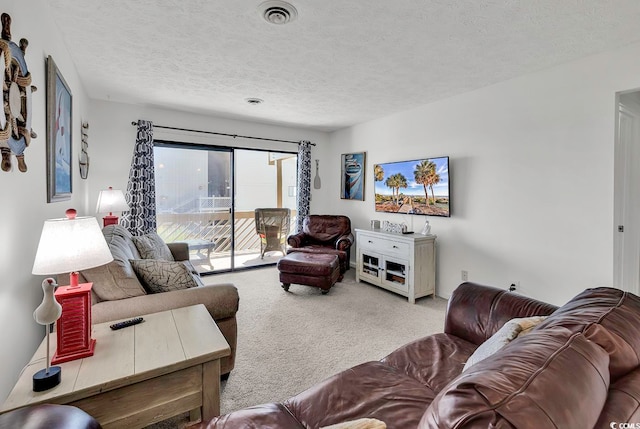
(277, 12)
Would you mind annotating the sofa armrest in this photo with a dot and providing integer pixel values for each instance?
(344, 242)
(296, 240)
(179, 250)
(476, 312)
(221, 302)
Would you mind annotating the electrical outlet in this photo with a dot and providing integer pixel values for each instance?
(464, 274)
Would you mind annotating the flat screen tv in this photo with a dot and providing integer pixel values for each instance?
(419, 187)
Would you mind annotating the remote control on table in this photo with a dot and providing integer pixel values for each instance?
(126, 323)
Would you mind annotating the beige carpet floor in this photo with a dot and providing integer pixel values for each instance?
(288, 341)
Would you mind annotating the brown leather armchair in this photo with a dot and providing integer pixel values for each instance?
(324, 234)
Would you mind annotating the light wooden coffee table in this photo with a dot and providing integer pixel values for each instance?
(139, 375)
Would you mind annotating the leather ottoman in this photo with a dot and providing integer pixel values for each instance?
(310, 269)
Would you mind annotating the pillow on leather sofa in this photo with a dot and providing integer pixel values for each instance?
(151, 246)
(509, 332)
(163, 276)
(358, 424)
(548, 378)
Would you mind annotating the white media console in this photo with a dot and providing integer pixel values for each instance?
(402, 263)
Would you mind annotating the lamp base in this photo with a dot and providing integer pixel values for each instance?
(43, 380)
(73, 355)
(109, 220)
(74, 325)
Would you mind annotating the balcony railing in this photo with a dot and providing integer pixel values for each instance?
(214, 227)
(213, 204)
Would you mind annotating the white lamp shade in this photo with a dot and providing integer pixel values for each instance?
(111, 200)
(68, 245)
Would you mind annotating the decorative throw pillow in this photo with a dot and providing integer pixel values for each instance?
(359, 424)
(194, 273)
(111, 282)
(509, 332)
(151, 246)
(162, 276)
(116, 280)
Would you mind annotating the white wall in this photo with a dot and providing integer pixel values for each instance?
(531, 176)
(24, 197)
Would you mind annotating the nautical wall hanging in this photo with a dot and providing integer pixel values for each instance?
(15, 119)
(84, 151)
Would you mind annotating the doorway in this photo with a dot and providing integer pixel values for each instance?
(626, 254)
(206, 196)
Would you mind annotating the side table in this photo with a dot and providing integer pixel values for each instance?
(139, 375)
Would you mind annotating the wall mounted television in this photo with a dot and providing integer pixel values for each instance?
(419, 186)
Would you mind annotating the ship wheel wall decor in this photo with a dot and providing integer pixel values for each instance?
(17, 105)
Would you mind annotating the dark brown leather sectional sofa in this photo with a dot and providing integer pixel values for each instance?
(580, 368)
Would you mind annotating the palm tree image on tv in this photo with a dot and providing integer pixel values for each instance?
(396, 182)
(413, 187)
(425, 174)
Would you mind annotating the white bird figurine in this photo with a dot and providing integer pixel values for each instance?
(49, 310)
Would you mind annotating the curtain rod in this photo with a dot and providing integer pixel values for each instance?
(222, 134)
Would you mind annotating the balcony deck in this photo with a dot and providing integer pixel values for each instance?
(209, 236)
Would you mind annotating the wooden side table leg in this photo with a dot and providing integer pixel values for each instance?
(195, 415)
(210, 390)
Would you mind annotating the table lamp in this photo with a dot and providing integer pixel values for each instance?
(111, 200)
(67, 245)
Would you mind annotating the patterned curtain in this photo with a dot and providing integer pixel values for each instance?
(141, 189)
(304, 182)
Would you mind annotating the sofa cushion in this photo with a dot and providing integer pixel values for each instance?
(194, 273)
(163, 276)
(152, 246)
(518, 387)
(326, 228)
(258, 417)
(433, 361)
(608, 317)
(221, 300)
(509, 332)
(372, 390)
(623, 401)
(116, 280)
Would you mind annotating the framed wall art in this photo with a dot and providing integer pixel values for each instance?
(59, 133)
(352, 180)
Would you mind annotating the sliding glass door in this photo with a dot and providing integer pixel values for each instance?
(207, 196)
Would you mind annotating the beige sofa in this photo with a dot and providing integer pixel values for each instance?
(119, 294)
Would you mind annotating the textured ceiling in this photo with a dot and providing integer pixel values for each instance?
(340, 63)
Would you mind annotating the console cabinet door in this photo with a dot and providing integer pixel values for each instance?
(395, 273)
(369, 266)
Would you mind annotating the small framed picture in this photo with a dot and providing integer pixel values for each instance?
(352, 181)
(59, 133)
